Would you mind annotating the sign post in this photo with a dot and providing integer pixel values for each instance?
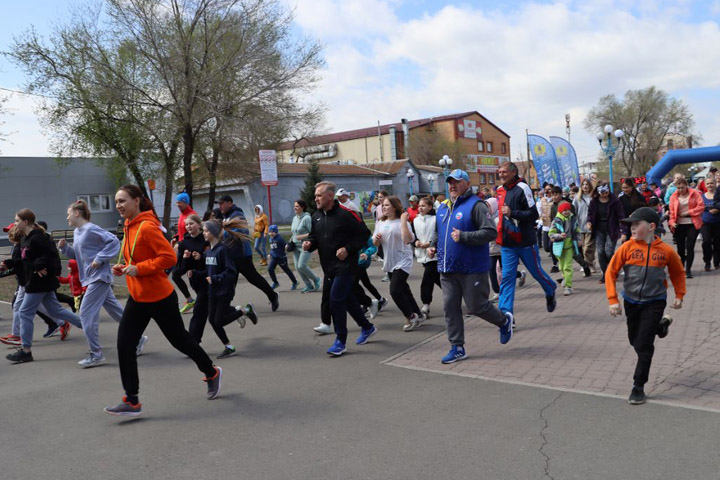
(268, 174)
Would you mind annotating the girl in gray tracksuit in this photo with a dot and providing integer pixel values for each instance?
(93, 248)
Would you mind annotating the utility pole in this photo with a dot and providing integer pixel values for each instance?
(567, 126)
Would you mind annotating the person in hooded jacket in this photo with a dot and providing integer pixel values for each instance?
(260, 232)
(42, 266)
(191, 256)
(300, 229)
(603, 220)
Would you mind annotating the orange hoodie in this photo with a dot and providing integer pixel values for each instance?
(145, 247)
(644, 266)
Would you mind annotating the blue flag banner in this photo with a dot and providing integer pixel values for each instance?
(567, 161)
(543, 157)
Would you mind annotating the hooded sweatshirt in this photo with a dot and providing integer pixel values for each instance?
(93, 244)
(73, 279)
(184, 214)
(261, 222)
(38, 252)
(301, 225)
(145, 247)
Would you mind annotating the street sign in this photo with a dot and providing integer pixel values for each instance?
(268, 168)
(151, 184)
(385, 182)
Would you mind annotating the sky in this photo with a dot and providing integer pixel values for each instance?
(521, 64)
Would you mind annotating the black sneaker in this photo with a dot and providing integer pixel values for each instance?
(214, 384)
(586, 270)
(637, 396)
(554, 269)
(250, 313)
(381, 303)
(21, 356)
(707, 267)
(275, 303)
(52, 330)
(664, 326)
(551, 303)
(689, 274)
(228, 352)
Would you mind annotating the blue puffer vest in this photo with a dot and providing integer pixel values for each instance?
(454, 257)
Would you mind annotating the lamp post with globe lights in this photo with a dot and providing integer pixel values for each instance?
(431, 180)
(609, 148)
(446, 164)
(411, 177)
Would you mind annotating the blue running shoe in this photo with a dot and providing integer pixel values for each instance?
(294, 286)
(506, 330)
(365, 335)
(337, 349)
(274, 285)
(456, 353)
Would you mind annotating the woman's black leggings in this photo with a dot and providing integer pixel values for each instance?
(222, 314)
(401, 293)
(135, 320)
(180, 282)
(711, 243)
(246, 268)
(430, 278)
(362, 276)
(200, 311)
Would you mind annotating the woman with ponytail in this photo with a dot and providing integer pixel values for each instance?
(145, 255)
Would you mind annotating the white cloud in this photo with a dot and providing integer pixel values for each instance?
(24, 134)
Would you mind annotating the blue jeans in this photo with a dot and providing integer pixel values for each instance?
(260, 247)
(530, 257)
(301, 265)
(30, 304)
(282, 263)
(342, 301)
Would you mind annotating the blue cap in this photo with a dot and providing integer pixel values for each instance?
(273, 228)
(458, 174)
(183, 197)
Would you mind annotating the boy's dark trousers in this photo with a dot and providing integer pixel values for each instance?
(282, 263)
(642, 322)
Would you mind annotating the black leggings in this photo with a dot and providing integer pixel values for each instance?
(180, 282)
(135, 319)
(547, 246)
(401, 293)
(431, 277)
(246, 268)
(362, 276)
(200, 311)
(686, 235)
(494, 261)
(222, 314)
(711, 243)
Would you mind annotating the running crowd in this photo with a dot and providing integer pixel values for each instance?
(467, 245)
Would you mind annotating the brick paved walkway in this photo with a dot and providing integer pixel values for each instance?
(581, 348)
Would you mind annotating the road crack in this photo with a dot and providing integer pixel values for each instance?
(543, 436)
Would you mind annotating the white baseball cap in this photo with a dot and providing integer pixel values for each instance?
(341, 192)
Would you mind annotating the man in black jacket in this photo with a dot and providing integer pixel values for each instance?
(338, 234)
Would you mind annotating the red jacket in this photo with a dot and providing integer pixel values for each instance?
(696, 206)
(181, 222)
(73, 279)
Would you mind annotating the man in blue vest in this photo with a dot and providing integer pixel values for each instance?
(464, 231)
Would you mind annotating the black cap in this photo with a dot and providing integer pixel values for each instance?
(224, 198)
(643, 213)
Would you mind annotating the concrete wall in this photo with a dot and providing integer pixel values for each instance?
(40, 184)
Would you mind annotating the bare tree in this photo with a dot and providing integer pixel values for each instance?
(646, 117)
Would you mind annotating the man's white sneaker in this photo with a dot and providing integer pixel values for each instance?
(374, 308)
(323, 329)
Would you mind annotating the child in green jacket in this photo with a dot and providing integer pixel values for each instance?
(565, 235)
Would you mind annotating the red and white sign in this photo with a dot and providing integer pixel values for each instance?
(268, 168)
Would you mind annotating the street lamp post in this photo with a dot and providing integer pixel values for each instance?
(446, 164)
(411, 176)
(609, 148)
(431, 180)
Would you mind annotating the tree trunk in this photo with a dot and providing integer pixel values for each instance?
(188, 148)
(212, 176)
(167, 205)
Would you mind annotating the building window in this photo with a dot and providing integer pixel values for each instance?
(482, 178)
(97, 203)
(491, 179)
(489, 147)
(503, 148)
(481, 148)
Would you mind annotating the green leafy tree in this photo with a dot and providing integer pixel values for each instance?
(308, 192)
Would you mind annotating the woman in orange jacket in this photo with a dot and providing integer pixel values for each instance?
(260, 231)
(145, 255)
(686, 208)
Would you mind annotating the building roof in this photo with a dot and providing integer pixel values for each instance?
(330, 169)
(373, 131)
(429, 168)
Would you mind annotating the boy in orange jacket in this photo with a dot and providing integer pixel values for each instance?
(643, 258)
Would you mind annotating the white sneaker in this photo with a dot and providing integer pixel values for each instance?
(241, 320)
(323, 329)
(494, 298)
(374, 308)
(568, 292)
(415, 322)
(425, 310)
(386, 278)
(522, 279)
(92, 360)
(141, 345)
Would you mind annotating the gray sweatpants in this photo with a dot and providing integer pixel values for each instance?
(98, 295)
(474, 289)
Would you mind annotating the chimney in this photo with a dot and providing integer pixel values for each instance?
(393, 143)
(406, 137)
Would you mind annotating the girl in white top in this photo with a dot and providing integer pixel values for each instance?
(393, 233)
(425, 234)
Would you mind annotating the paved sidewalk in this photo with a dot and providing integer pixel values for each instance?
(581, 348)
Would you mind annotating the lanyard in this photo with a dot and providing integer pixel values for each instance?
(132, 251)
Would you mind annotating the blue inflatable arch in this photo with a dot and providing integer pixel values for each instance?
(679, 157)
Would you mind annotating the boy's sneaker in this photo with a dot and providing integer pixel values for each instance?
(567, 292)
(637, 396)
(92, 360)
(365, 335)
(250, 313)
(664, 326)
(381, 303)
(323, 329)
(124, 409)
(189, 305)
(52, 330)
(293, 286)
(374, 308)
(586, 271)
(213, 384)
(551, 303)
(506, 331)
(274, 285)
(456, 353)
(21, 356)
(141, 345)
(336, 349)
(275, 304)
(522, 279)
(65, 330)
(13, 340)
(229, 351)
